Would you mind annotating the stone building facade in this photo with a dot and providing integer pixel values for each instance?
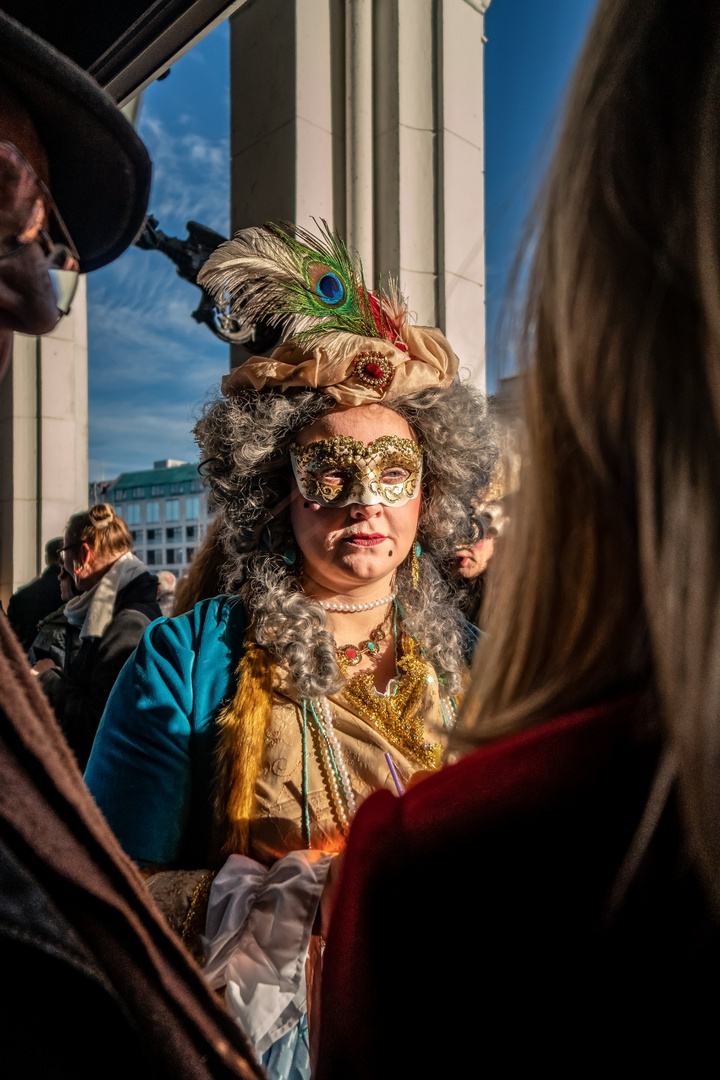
(166, 509)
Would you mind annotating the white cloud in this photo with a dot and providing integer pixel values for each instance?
(210, 154)
(190, 175)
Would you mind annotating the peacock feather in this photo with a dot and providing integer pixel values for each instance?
(308, 285)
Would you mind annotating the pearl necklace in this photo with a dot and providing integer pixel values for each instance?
(338, 778)
(342, 793)
(345, 608)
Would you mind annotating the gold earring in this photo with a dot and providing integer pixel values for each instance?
(415, 564)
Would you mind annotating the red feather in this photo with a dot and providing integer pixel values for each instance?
(386, 325)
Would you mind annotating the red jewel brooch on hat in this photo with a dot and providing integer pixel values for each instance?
(374, 369)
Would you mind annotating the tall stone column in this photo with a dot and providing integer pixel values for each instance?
(407, 221)
(461, 180)
(43, 443)
(369, 113)
(287, 115)
(359, 132)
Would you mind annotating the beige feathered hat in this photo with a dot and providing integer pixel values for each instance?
(352, 343)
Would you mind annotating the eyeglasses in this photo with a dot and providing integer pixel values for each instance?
(25, 207)
(63, 551)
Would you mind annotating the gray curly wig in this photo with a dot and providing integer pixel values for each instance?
(245, 444)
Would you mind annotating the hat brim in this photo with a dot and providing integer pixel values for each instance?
(99, 168)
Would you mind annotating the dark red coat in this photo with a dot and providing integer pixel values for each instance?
(471, 934)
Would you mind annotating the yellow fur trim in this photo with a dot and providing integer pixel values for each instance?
(242, 726)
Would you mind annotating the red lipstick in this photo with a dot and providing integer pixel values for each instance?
(366, 539)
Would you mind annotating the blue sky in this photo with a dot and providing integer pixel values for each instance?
(531, 49)
(150, 365)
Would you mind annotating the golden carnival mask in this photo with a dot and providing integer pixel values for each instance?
(340, 470)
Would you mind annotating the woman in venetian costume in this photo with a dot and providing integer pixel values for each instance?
(251, 728)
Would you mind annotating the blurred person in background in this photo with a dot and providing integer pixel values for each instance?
(57, 639)
(116, 601)
(166, 591)
(77, 927)
(31, 603)
(473, 558)
(558, 890)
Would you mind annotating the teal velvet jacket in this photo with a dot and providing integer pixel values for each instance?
(152, 764)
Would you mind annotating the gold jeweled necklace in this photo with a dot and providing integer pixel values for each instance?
(350, 655)
(393, 715)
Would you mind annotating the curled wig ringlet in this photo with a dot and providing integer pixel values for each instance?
(245, 441)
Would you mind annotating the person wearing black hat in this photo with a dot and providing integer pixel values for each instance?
(95, 982)
(41, 596)
(74, 182)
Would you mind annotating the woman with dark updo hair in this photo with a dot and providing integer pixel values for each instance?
(116, 602)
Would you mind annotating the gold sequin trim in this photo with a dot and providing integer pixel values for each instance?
(198, 906)
(394, 716)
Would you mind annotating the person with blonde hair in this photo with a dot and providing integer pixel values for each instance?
(563, 880)
(116, 601)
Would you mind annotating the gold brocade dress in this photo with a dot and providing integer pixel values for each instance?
(262, 944)
(277, 827)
